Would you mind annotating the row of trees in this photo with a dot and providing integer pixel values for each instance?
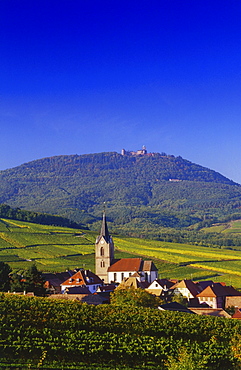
(36, 217)
(30, 281)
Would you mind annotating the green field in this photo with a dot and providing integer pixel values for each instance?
(226, 227)
(58, 248)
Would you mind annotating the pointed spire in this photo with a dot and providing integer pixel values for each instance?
(104, 228)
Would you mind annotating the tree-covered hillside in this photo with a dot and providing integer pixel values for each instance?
(137, 189)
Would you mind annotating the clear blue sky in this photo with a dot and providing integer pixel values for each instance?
(87, 76)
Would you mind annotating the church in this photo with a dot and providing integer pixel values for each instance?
(111, 270)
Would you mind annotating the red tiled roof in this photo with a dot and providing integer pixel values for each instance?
(237, 314)
(126, 264)
(82, 278)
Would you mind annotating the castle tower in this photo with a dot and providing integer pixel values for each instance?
(104, 251)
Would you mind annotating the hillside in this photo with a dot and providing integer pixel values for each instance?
(56, 249)
(135, 188)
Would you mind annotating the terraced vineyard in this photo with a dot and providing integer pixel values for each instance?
(51, 248)
(225, 227)
(57, 249)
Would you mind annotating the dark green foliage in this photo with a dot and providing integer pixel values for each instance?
(4, 277)
(29, 281)
(64, 333)
(140, 198)
(33, 281)
(39, 218)
(17, 284)
(134, 297)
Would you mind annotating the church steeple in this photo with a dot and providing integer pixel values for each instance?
(104, 251)
(104, 232)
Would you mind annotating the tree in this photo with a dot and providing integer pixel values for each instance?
(134, 297)
(5, 270)
(33, 281)
(17, 284)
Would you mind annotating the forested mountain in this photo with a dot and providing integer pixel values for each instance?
(141, 192)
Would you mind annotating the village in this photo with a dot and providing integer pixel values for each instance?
(202, 297)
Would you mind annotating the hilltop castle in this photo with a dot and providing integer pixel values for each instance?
(111, 270)
(142, 151)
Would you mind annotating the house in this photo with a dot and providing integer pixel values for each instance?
(216, 295)
(233, 301)
(160, 287)
(133, 281)
(82, 279)
(114, 271)
(53, 281)
(187, 288)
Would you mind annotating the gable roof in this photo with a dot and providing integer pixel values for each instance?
(132, 281)
(55, 279)
(126, 264)
(188, 284)
(148, 266)
(237, 314)
(231, 291)
(203, 284)
(161, 284)
(82, 277)
(216, 290)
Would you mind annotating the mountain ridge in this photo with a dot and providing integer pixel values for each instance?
(136, 187)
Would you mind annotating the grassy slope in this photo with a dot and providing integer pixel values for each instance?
(56, 249)
(226, 227)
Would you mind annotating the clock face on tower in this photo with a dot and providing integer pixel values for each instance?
(102, 241)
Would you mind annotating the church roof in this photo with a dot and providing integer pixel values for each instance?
(126, 264)
(132, 264)
(104, 232)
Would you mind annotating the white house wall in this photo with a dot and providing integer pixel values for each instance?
(118, 276)
(92, 288)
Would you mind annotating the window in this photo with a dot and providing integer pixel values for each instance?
(122, 276)
(114, 276)
(102, 251)
(102, 264)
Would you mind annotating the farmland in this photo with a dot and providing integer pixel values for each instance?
(57, 249)
(225, 227)
(42, 333)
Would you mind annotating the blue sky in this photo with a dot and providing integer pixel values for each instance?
(87, 76)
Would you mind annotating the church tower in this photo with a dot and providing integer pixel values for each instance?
(104, 251)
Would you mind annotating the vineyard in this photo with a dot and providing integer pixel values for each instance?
(42, 333)
(56, 249)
